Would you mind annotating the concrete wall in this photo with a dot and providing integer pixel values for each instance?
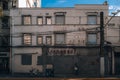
(16, 60)
(86, 58)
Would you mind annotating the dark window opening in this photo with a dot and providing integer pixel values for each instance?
(5, 22)
(26, 59)
(5, 5)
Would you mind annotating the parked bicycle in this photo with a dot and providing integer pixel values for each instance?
(34, 72)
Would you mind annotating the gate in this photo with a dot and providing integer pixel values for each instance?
(63, 60)
(63, 64)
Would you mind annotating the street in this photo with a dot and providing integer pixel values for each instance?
(59, 78)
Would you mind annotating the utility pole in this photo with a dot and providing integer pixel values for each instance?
(102, 61)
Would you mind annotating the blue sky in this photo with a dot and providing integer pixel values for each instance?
(114, 5)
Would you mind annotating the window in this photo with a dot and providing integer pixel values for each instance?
(26, 19)
(60, 39)
(92, 19)
(5, 22)
(48, 20)
(92, 38)
(39, 20)
(48, 40)
(39, 40)
(14, 3)
(5, 5)
(59, 19)
(111, 25)
(26, 59)
(27, 39)
(5, 41)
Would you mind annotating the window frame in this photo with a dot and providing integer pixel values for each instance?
(23, 19)
(50, 40)
(46, 20)
(59, 16)
(89, 43)
(23, 40)
(38, 18)
(56, 39)
(38, 40)
(88, 22)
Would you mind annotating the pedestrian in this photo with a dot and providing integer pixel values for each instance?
(76, 69)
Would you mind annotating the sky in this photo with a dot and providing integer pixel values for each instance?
(114, 5)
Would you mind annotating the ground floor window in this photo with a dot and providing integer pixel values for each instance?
(92, 38)
(26, 59)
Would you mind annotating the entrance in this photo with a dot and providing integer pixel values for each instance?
(4, 65)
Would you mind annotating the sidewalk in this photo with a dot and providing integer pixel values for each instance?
(56, 77)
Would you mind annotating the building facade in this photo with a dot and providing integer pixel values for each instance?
(37, 32)
(113, 37)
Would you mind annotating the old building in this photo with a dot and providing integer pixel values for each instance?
(113, 38)
(4, 36)
(5, 6)
(58, 38)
